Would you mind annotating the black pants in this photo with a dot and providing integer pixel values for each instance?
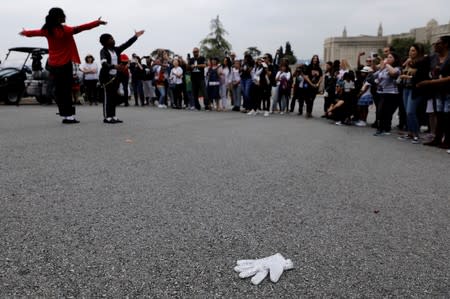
(177, 91)
(327, 102)
(198, 85)
(300, 96)
(63, 88)
(312, 93)
(386, 107)
(111, 98)
(442, 128)
(266, 93)
(91, 90)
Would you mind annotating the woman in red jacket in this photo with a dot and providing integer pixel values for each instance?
(62, 53)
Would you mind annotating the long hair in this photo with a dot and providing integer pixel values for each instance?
(228, 63)
(54, 19)
(312, 60)
(396, 62)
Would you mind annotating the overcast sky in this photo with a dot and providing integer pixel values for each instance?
(179, 25)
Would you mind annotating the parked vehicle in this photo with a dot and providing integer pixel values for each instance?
(18, 81)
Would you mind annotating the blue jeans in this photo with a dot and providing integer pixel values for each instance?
(246, 86)
(237, 95)
(411, 102)
(162, 92)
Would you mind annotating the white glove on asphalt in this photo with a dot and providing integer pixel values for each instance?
(275, 265)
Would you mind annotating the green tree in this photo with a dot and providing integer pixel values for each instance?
(253, 51)
(215, 44)
(289, 54)
(401, 46)
(158, 53)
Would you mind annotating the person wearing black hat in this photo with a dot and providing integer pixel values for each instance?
(111, 64)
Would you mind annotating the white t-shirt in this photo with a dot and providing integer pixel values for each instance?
(87, 68)
(176, 75)
(280, 74)
(114, 61)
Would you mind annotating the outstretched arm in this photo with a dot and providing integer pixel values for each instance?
(31, 33)
(96, 23)
(130, 41)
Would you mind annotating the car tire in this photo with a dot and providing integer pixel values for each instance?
(13, 97)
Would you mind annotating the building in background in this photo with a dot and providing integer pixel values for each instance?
(348, 47)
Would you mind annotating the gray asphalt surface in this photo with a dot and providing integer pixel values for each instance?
(163, 205)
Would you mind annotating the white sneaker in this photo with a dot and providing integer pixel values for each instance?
(360, 123)
(281, 113)
(448, 151)
(252, 112)
(266, 113)
(415, 140)
(338, 123)
(160, 106)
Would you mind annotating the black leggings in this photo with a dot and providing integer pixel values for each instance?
(63, 78)
(386, 107)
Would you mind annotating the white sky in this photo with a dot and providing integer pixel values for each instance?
(179, 25)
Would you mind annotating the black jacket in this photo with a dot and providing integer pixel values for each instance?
(105, 58)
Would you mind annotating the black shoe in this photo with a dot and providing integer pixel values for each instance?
(433, 142)
(70, 121)
(110, 121)
(117, 121)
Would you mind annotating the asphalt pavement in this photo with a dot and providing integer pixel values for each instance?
(164, 204)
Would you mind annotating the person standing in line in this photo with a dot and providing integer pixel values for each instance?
(236, 85)
(137, 77)
(213, 80)
(123, 76)
(283, 76)
(149, 89)
(225, 75)
(62, 54)
(90, 73)
(197, 64)
(314, 79)
(111, 65)
(246, 81)
(439, 90)
(176, 81)
(299, 89)
(416, 69)
(386, 79)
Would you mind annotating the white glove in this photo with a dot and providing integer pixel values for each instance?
(275, 265)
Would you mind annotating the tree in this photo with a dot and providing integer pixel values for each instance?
(158, 53)
(215, 44)
(401, 46)
(253, 51)
(289, 54)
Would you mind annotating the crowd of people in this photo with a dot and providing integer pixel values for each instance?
(418, 86)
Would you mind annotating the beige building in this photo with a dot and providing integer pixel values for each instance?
(346, 47)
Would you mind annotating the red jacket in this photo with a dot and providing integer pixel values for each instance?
(61, 44)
